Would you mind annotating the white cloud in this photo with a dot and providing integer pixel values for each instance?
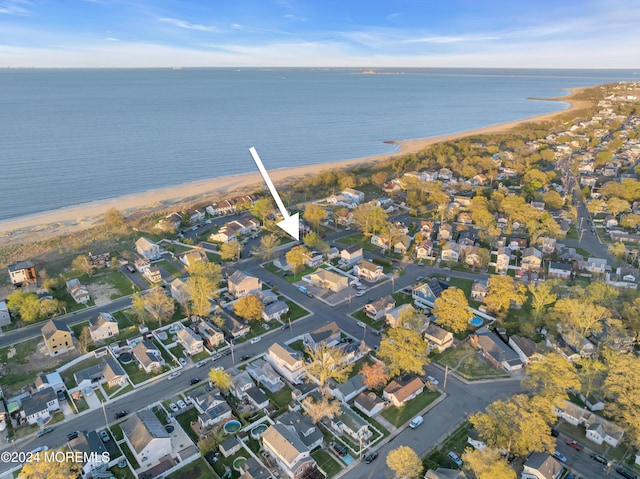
(14, 7)
(294, 18)
(112, 39)
(188, 25)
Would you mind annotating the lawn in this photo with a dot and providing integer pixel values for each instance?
(23, 351)
(359, 365)
(121, 473)
(402, 298)
(118, 391)
(200, 356)
(136, 375)
(81, 404)
(399, 416)
(280, 399)
(295, 312)
(185, 419)
(170, 268)
(456, 442)
(129, 455)
(465, 361)
(195, 470)
(67, 374)
(116, 431)
(364, 241)
(360, 315)
(326, 462)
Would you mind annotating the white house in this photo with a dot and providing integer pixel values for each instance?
(541, 465)
(147, 249)
(368, 271)
(403, 389)
(146, 437)
(597, 429)
(190, 341)
(5, 317)
(79, 293)
(103, 326)
(39, 405)
(287, 450)
(275, 310)
(286, 361)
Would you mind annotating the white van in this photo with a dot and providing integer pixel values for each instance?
(416, 421)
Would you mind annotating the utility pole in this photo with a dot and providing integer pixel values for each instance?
(446, 375)
(104, 411)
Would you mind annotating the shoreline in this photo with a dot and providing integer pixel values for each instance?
(39, 226)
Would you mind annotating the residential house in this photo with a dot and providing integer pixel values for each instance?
(502, 260)
(424, 294)
(79, 293)
(148, 356)
(438, 338)
(369, 403)
(211, 336)
(98, 260)
(547, 245)
(288, 451)
(314, 260)
(424, 249)
(230, 446)
(495, 350)
(445, 232)
(541, 465)
(403, 389)
(226, 233)
(368, 271)
(103, 326)
(264, 375)
(621, 340)
(328, 334)
(393, 316)
(195, 215)
(302, 424)
(22, 273)
(5, 317)
(524, 348)
(179, 292)
(379, 241)
(596, 265)
(426, 227)
(223, 207)
(241, 283)
(287, 362)
(240, 382)
(559, 270)
(234, 326)
(39, 406)
(531, 259)
(51, 380)
(146, 437)
(275, 310)
(464, 217)
(379, 308)
(517, 242)
(352, 351)
(348, 390)
(281, 263)
(211, 407)
(355, 195)
(472, 256)
(351, 255)
(479, 290)
(190, 341)
(147, 249)
(107, 372)
(193, 256)
(450, 252)
(57, 337)
(246, 225)
(265, 295)
(597, 429)
(445, 473)
(402, 245)
(350, 423)
(173, 219)
(257, 398)
(326, 279)
(91, 447)
(253, 469)
(623, 278)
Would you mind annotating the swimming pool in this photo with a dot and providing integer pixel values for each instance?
(476, 322)
(231, 426)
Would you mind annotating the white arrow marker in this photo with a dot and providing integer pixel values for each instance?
(290, 224)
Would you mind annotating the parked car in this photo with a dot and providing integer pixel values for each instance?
(244, 357)
(361, 324)
(433, 380)
(201, 363)
(195, 380)
(287, 273)
(555, 432)
(624, 473)
(173, 407)
(369, 458)
(181, 404)
(285, 326)
(46, 430)
(360, 293)
(61, 396)
(255, 340)
(104, 435)
(121, 414)
(560, 457)
(39, 449)
(182, 361)
(88, 391)
(455, 458)
(73, 435)
(599, 458)
(340, 450)
(174, 375)
(574, 444)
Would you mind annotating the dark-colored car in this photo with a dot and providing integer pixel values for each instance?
(285, 326)
(369, 458)
(73, 435)
(574, 444)
(195, 380)
(624, 473)
(121, 414)
(599, 458)
(46, 430)
(244, 357)
(340, 450)
(555, 432)
(287, 273)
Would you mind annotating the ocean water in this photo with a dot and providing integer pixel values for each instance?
(74, 136)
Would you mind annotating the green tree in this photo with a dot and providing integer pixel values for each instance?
(313, 241)
(541, 297)
(615, 206)
(49, 470)
(249, 307)
(262, 208)
(211, 441)
(452, 310)
(114, 221)
(502, 290)
(551, 377)
(623, 386)
(268, 245)
(578, 317)
(220, 379)
(601, 293)
(487, 464)
(403, 350)
(297, 257)
(202, 285)
(230, 250)
(314, 214)
(553, 200)
(369, 219)
(592, 373)
(327, 362)
(81, 265)
(379, 179)
(159, 305)
(140, 314)
(405, 463)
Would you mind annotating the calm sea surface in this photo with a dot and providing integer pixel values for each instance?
(74, 136)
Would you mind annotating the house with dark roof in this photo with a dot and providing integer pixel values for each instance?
(240, 382)
(257, 398)
(230, 446)
(524, 348)
(240, 283)
(559, 270)
(349, 389)
(541, 465)
(103, 326)
(287, 362)
(495, 350)
(328, 334)
(288, 451)
(211, 406)
(369, 403)
(403, 389)
(274, 310)
(254, 469)
(22, 273)
(39, 406)
(425, 293)
(146, 437)
(211, 336)
(424, 249)
(107, 372)
(350, 423)
(350, 255)
(92, 449)
(445, 473)
(57, 337)
(264, 375)
(307, 431)
(148, 356)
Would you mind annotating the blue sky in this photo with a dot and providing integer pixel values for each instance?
(395, 33)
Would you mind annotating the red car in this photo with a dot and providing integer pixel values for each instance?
(574, 444)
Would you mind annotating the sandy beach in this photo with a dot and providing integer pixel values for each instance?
(75, 218)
